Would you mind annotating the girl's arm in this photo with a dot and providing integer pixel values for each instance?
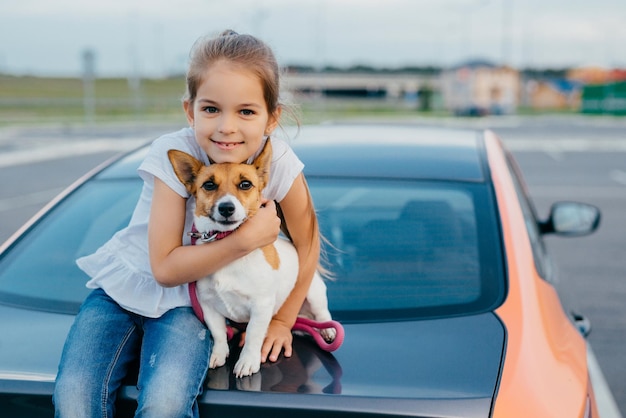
(174, 264)
(297, 208)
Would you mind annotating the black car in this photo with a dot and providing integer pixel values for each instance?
(433, 243)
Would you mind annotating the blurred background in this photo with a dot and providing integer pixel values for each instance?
(73, 61)
(82, 81)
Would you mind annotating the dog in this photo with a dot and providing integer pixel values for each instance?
(253, 288)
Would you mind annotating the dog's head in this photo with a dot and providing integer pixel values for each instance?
(227, 193)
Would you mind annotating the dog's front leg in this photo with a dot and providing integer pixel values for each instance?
(250, 358)
(217, 325)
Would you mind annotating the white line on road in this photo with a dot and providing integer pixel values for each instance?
(25, 200)
(578, 192)
(618, 176)
(552, 146)
(607, 407)
(67, 149)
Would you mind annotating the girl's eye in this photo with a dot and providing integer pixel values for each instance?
(210, 109)
(245, 185)
(247, 112)
(209, 186)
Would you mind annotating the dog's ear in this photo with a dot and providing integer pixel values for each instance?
(186, 168)
(262, 163)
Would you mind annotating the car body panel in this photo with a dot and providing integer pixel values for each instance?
(39, 336)
(437, 378)
(545, 372)
(522, 357)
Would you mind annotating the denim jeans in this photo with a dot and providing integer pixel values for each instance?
(105, 339)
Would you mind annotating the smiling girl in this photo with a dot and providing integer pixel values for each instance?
(139, 310)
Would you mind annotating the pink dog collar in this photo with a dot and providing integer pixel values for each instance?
(206, 236)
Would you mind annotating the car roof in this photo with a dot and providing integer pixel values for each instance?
(370, 151)
(390, 151)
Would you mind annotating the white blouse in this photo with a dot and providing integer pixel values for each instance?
(121, 267)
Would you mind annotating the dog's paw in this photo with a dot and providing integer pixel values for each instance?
(329, 334)
(218, 355)
(247, 364)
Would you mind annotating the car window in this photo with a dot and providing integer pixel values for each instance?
(397, 249)
(406, 249)
(40, 270)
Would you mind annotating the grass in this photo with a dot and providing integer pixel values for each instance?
(33, 100)
(28, 101)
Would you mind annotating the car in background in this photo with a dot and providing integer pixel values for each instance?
(441, 281)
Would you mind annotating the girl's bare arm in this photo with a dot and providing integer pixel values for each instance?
(299, 215)
(174, 264)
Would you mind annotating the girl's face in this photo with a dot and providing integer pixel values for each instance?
(229, 115)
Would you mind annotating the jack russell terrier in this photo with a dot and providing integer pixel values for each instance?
(253, 288)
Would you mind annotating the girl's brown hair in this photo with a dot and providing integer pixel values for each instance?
(245, 50)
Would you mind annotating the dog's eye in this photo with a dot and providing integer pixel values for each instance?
(209, 186)
(245, 185)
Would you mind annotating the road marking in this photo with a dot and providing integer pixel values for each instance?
(618, 176)
(566, 145)
(67, 149)
(577, 192)
(38, 198)
(607, 407)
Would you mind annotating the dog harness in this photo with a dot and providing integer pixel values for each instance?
(306, 325)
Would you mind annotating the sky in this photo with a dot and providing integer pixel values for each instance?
(152, 38)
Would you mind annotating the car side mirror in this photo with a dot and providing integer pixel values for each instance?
(571, 219)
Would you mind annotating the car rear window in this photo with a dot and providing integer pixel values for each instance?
(39, 271)
(409, 249)
(396, 249)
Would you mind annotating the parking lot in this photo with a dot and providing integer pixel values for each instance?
(562, 158)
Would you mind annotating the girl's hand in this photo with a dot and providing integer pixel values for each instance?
(278, 338)
(174, 264)
(262, 229)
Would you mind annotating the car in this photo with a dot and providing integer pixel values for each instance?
(441, 280)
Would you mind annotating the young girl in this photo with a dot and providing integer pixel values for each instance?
(140, 308)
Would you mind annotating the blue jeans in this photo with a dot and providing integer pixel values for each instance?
(105, 340)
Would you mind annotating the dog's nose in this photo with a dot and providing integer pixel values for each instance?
(226, 209)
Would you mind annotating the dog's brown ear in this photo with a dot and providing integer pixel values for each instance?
(186, 168)
(263, 162)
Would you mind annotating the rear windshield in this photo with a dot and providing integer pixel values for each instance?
(407, 249)
(396, 249)
(40, 271)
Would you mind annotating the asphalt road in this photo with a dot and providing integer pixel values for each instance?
(562, 158)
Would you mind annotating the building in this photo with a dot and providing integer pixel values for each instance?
(604, 90)
(552, 94)
(479, 88)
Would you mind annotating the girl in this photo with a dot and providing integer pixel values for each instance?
(140, 308)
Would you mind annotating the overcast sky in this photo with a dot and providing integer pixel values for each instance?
(153, 37)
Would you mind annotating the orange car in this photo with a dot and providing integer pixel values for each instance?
(442, 284)
(545, 369)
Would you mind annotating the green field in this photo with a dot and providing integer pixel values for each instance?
(34, 100)
(27, 101)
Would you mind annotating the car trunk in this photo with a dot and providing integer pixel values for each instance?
(442, 367)
(439, 368)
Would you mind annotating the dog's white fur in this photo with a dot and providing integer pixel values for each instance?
(253, 288)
